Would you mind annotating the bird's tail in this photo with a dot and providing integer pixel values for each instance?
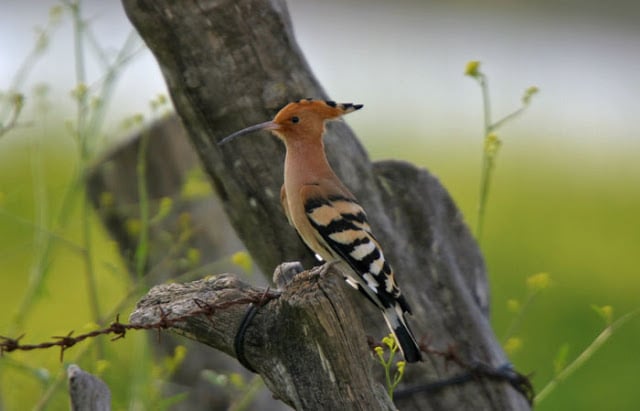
(394, 317)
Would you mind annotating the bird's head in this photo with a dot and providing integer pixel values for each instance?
(300, 120)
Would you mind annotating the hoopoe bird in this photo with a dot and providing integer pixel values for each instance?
(328, 217)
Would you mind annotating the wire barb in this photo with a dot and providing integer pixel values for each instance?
(119, 330)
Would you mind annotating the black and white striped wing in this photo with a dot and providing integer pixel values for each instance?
(342, 226)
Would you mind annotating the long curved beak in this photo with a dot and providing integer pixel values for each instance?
(267, 125)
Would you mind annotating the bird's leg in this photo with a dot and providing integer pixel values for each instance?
(323, 269)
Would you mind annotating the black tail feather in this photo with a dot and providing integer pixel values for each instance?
(406, 341)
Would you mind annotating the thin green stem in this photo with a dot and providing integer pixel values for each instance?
(507, 118)
(391, 383)
(485, 180)
(487, 159)
(584, 356)
(515, 323)
(142, 250)
(127, 52)
(81, 83)
(387, 375)
(92, 285)
(486, 102)
(84, 154)
(491, 141)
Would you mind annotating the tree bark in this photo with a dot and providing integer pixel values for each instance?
(303, 343)
(229, 64)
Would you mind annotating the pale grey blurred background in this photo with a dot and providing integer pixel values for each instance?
(404, 60)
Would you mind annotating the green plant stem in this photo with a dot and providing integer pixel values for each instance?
(125, 55)
(584, 356)
(391, 384)
(83, 145)
(507, 118)
(485, 182)
(92, 285)
(491, 148)
(142, 250)
(387, 376)
(487, 159)
(486, 102)
(513, 326)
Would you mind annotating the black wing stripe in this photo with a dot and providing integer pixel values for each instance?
(348, 235)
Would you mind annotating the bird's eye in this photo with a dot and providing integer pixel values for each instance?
(295, 119)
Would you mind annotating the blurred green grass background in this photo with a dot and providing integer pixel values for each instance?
(563, 200)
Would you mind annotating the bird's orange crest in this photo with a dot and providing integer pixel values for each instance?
(305, 118)
(302, 118)
(320, 109)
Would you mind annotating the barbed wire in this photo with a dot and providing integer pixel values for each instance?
(119, 329)
(474, 370)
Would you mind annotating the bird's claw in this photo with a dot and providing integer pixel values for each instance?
(323, 269)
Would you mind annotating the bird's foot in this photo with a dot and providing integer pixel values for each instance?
(323, 269)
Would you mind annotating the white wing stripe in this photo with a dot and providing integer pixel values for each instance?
(362, 250)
